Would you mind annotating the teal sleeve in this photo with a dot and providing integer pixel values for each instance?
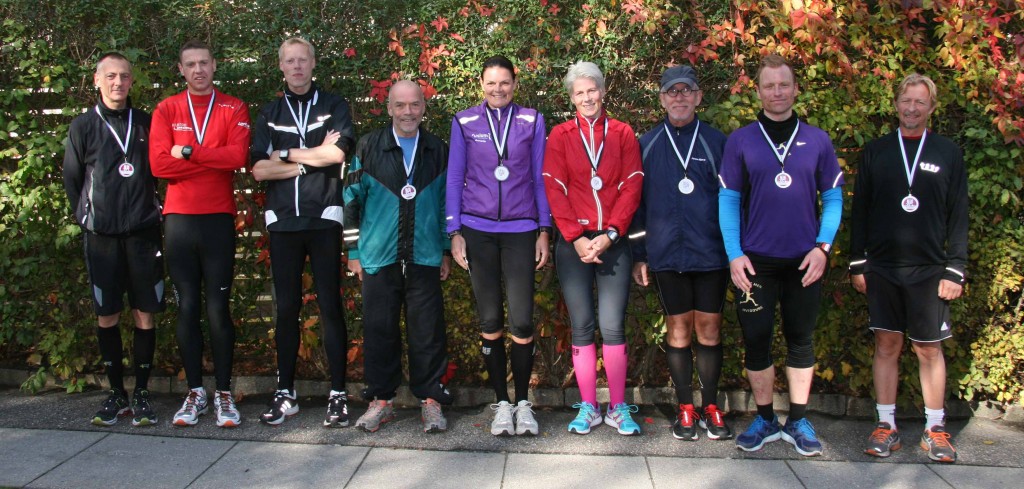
(831, 214)
(729, 222)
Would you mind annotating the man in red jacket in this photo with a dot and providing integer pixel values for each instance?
(198, 139)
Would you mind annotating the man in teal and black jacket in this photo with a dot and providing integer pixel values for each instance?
(395, 232)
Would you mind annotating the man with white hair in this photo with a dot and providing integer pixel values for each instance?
(298, 146)
(399, 248)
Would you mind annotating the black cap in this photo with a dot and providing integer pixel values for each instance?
(679, 74)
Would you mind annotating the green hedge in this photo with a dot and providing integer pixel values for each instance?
(849, 54)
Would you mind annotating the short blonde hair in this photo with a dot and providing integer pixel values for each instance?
(291, 41)
(917, 79)
(773, 61)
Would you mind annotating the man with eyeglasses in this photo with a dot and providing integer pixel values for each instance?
(677, 244)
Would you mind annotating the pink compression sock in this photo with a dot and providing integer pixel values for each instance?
(615, 368)
(584, 360)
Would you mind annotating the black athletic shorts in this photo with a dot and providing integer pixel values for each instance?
(683, 292)
(914, 309)
(132, 263)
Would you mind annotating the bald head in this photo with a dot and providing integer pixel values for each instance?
(406, 106)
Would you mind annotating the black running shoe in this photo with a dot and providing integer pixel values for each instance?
(685, 425)
(142, 409)
(115, 405)
(281, 406)
(337, 411)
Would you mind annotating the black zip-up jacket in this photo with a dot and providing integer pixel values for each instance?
(111, 193)
(313, 200)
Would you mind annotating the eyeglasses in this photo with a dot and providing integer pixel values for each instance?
(685, 91)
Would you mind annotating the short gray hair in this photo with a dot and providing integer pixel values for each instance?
(583, 69)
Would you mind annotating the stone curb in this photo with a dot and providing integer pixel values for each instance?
(839, 405)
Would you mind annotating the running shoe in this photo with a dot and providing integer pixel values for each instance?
(337, 410)
(936, 442)
(433, 418)
(281, 406)
(619, 417)
(116, 404)
(142, 409)
(714, 422)
(502, 424)
(194, 405)
(883, 440)
(685, 425)
(759, 432)
(377, 413)
(588, 417)
(801, 435)
(224, 406)
(526, 424)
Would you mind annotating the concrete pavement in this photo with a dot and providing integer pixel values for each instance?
(46, 441)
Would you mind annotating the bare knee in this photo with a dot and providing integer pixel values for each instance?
(928, 353)
(708, 328)
(888, 345)
(680, 329)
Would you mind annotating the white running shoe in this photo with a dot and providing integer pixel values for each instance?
(526, 424)
(194, 405)
(227, 414)
(502, 424)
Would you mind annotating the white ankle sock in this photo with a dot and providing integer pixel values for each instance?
(933, 417)
(886, 414)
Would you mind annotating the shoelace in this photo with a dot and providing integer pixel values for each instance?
(941, 439)
(226, 403)
(805, 427)
(528, 407)
(715, 416)
(432, 410)
(191, 403)
(585, 408)
(881, 435)
(625, 409)
(686, 416)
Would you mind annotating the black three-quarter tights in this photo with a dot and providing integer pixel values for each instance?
(201, 260)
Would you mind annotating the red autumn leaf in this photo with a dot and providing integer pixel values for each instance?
(484, 11)
(797, 17)
(449, 373)
(52, 298)
(397, 48)
(554, 9)
(543, 3)
(464, 11)
(649, 420)
(376, 111)
(588, 7)
(440, 24)
(457, 37)
(379, 90)
(350, 53)
(428, 90)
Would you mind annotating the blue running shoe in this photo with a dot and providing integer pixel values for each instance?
(588, 417)
(801, 435)
(619, 418)
(761, 431)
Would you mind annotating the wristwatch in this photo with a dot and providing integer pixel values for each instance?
(612, 234)
(186, 152)
(825, 247)
(283, 154)
(454, 233)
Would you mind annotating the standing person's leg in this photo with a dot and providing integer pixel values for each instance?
(613, 279)
(756, 313)
(144, 251)
(325, 262)
(181, 237)
(217, 253)
(107, 271)
(518, 264)
(709, 300)
(929, 325)
(428, 356)
(577, 282)
(382, 344)
(674, 291)
(800, 307)
(887, 309)
(287, 262)
(484, 255)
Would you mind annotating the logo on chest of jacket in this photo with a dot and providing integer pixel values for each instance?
(480, 137)
(181, 126)
(929, 167)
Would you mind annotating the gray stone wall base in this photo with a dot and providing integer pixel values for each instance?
(730, 401)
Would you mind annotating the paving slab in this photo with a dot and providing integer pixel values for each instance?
(968, 477)
(866, 475)
(136, 461)
(396, 468)
(27, 454)
(670, 472)
(283, 465)
(529, 471)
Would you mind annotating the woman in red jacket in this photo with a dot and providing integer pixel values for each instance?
(593, 178)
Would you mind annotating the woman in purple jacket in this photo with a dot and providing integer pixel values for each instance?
(499, 223)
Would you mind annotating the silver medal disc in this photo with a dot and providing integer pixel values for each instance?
(126, 169)
(501, 173)
(783, 180)
(408, 192)
(596, 183)
(686, 186)
(910, 203)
